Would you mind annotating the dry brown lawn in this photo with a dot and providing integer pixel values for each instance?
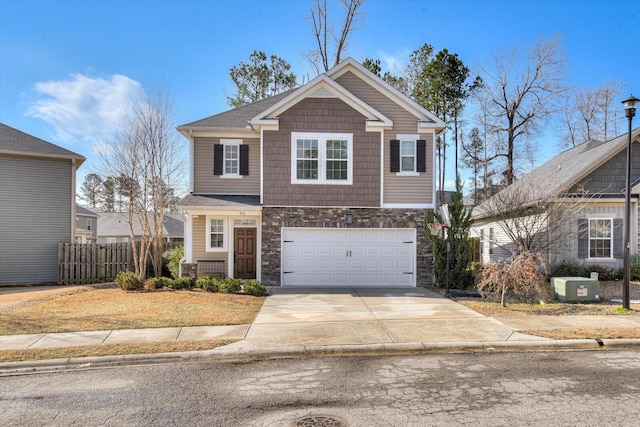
(608, 291)
(109, 350)
(85, 308)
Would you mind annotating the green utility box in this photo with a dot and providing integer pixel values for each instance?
(576, 289)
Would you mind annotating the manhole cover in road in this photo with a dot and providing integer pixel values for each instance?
(319, 421)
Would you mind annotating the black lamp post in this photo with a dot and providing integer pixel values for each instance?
(630, 105)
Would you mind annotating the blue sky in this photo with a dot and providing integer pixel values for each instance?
(68, 67)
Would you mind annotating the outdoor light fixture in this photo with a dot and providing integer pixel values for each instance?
(630, 105)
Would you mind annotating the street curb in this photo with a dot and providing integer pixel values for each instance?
(225, 355)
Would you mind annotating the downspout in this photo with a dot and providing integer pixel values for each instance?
(261, 165)
(73, 200)
(382, 168)
(191, 161)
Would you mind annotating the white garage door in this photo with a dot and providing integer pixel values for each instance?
(353, 257)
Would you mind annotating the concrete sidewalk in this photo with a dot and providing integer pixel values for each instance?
(303, 321)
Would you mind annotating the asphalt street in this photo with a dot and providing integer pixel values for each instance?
(480, 389)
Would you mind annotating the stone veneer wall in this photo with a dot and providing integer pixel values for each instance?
(188, 270)
(274, 218)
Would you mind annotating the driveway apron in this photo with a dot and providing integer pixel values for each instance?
(344, 316)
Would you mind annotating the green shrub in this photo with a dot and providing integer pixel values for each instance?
(635, 271)
(230, 286)
(175, 256)
(604, 273)
(160, 282)
(128, 281)
(185, 282)
(208, 284)
(569, 269)
(253, 287)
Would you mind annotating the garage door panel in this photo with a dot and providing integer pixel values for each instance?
(339, 257)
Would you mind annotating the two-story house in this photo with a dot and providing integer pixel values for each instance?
(37, 206)
(324, 185)
(86, 225)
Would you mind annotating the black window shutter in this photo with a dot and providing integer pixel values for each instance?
(395, 155)
(421, 153)
(618, 237)
(244, 159)
(583, 238)
(218, 159)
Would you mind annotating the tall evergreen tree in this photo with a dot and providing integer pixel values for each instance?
(257, 79)
(460, 249)
(91, 189)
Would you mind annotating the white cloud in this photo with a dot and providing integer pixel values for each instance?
(84, 108)
(394, 63)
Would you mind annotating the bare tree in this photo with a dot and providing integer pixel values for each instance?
(330, 46)
(534, 219)
(587, 113)
(148, 157)
(522, 93)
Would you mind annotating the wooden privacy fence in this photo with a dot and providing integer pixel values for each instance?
(85, 263)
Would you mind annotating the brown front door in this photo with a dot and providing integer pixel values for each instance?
(244, 264)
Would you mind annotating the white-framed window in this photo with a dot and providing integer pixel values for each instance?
(89, 224)
(321, 158)
(231, 158)
(600, 238)
(110, 239)
(216, 240)
(408, 154)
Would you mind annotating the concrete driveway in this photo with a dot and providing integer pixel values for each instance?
(353, 316)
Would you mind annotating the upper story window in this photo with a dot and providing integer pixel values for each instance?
(321, 158)
(408, 155)
(231, 158)
(600, 238)
(89, 224)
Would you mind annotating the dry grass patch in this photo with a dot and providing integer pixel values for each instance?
(87, 309)
(494, 309)
(600, 333)
(109, 350)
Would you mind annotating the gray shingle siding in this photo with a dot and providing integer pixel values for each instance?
(35, 215)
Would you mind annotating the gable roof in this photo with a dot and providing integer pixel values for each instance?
(265, 112)
(561, 172)
(351, 65)
(84, 211)
(321, 86)
(13, 141)
(236, 119)
(117, 224)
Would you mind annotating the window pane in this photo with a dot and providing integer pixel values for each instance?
(307, 169)
(408, 148)
(337, 169)
(307, 149)
(336, 149)
(407, 164)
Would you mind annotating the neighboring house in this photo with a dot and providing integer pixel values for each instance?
(86, 225)
(328, 184)
(37, 206)
(587, 182)
(113, 227)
